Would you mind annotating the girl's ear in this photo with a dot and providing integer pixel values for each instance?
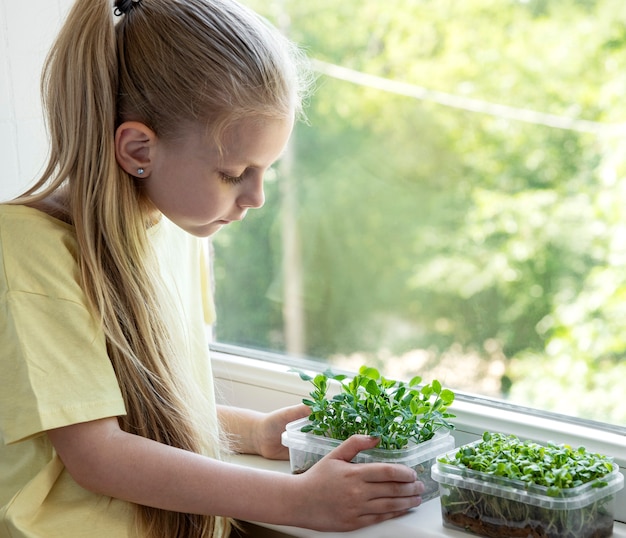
(134, 148)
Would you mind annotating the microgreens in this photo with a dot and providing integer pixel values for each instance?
(559, 468)
(395, 411)
(554, 466)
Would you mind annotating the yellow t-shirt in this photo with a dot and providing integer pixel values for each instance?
(55, 370)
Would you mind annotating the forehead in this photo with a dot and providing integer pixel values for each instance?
(256, 142)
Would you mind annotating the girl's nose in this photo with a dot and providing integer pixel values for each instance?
(253, 195)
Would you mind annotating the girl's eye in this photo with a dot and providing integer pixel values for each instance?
(231, 179)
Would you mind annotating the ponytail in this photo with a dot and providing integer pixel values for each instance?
(162, 63)
(79, 88)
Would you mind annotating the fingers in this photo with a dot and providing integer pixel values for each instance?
(362, 493)
(372, 519)
(370, 503)
(372, 472)
(271, 425)
(348, 450)
(365, 493)
(389, 472)
(394, 497)
(390, 489)
(297, 411)
(391, 497)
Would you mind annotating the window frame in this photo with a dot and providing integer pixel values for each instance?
(263, 381)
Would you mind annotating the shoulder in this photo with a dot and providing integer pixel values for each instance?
(19, 221)
(37, 251)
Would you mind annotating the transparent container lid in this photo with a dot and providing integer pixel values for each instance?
(516, 490)
(411, 455)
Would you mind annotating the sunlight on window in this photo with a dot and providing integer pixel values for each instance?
(454, 206)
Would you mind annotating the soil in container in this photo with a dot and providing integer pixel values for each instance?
(496, 517)
(475, 525)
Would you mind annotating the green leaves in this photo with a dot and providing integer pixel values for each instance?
(556, 467)
(504, 502)
(370, 404)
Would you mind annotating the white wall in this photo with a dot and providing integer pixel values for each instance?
(27, 29)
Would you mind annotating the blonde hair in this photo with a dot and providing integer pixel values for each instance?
(164, 63)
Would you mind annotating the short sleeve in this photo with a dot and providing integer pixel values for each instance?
(56, 371)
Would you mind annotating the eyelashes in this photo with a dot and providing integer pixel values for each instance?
(233, 180)
(247, 173)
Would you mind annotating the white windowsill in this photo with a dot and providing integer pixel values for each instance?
(262, 385)
(426, 518)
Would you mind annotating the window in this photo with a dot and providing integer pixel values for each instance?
(454, 207)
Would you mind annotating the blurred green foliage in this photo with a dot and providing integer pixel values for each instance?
(436, 228)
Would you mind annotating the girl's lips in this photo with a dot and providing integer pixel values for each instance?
(228, 221)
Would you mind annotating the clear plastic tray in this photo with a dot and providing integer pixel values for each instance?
(488, 505)
(306, 449)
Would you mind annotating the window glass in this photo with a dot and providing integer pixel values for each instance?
(455, 205)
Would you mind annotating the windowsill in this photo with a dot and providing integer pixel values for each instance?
(426, 518)
(265, 386)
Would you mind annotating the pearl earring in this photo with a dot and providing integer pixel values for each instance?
(140, 171)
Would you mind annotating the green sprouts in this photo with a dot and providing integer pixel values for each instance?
(556, 467)
(498, 509)
(394, 411)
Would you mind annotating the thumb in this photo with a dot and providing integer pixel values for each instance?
(348, 450)
(297, 411)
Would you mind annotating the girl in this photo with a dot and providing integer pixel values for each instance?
(164, 116)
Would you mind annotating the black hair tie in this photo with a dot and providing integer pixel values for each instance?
(122, 7)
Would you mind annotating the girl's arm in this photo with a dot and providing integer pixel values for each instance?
(252, 432)
(333, 495)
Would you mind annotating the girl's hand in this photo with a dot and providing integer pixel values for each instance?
(343, 496)
(271, 427)
(253, 432)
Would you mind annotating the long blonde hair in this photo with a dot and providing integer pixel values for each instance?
(163, 63)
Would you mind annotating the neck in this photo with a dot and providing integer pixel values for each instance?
(54, 205)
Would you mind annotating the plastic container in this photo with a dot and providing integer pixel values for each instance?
(306, 449)
(493, 506)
